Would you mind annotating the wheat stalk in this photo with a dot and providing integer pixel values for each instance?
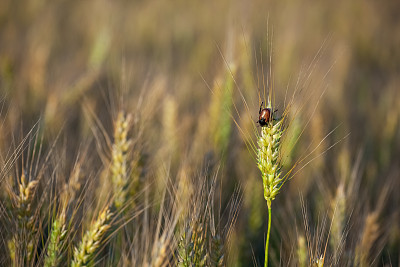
(268, 161)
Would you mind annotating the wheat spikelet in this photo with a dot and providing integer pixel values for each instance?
(120, 147)
(162, 255)
(268, 159)
(217, 253)
(22, 244)
(368, 239)
(319, 262)
(191, 248)
(183, 254)
(338, 213)
(302, 251)
(198, 240)
(57, 238)
(92, 239)
(268, 162)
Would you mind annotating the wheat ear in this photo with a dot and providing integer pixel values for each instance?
(301, 251)
(56, 242)
(217, 251)
(22, 241)
(269, 144)
(120, 147)
(191, 251)
(92, 239)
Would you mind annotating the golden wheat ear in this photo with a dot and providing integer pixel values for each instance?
(119, 169)
(92, 239)
(21, 246)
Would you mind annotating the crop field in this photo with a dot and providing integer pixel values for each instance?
(199, 133)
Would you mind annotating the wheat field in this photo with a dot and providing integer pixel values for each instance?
(130, 133)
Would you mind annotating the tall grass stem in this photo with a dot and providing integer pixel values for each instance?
(268, 233)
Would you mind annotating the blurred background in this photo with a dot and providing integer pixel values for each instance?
(191, 73)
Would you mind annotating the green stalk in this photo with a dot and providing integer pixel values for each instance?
(269, 163)
(268, 233)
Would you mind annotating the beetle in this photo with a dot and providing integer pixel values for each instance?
(265, 115)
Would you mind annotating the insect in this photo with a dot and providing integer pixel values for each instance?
(265, 115)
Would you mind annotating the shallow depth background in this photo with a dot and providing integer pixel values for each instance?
(170, 63)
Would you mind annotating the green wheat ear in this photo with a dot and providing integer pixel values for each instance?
(57, 237)
(268, 161)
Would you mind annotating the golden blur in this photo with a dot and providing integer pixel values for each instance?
(192, 75)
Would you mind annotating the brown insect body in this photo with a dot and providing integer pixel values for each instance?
(265, 117)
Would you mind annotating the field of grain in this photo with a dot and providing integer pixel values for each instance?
(129, 134)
